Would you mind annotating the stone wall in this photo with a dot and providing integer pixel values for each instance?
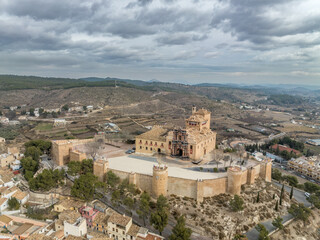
(77, 156)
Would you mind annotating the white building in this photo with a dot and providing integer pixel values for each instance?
(60, 122)
(77, 228)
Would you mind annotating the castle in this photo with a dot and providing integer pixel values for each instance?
(193, 142)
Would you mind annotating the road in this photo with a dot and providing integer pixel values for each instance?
(297, 194)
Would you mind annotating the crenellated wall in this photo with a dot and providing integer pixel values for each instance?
(160, 183)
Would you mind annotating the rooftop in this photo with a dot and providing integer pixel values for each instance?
(157, 133)
(119, 219)
(20, 195)
(5, 219)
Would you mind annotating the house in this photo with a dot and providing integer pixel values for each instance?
(76, 228)
(6, 159)
(3, 204)
(67, 204)
(59, 122)
(89, 213)
(282, 148)
(90, 108)
(15, 165)
(5, 220)
(117, 226)
(22, 197)
(4, 120)
(67, 215)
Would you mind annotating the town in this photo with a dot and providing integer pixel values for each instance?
(75, 181)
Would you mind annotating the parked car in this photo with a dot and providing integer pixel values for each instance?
(130, 151)
(307, 194)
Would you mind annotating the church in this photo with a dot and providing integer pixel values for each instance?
(192, 142)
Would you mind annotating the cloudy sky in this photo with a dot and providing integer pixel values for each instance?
(239, 41)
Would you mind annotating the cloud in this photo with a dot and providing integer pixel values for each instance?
(188, 39)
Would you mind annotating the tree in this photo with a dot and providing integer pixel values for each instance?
(13, 204)
(128, 201)
(314, 200)
(31, 111)
(263, 232)
(236, 203)
(180, 231)
(311, 187)
(276, 174)
(74, 168)
(281, 194)
(240, 236)
(159, 219)
(33, 152)
(277, 222)
(112, 179)
(29, 166)
(144, 207)
(300, 212)
(115, 197)
(84, 186)
(291, 192)
(87, 166)
(292, 180)
(258, 197)
(277, 206)
(65, 107)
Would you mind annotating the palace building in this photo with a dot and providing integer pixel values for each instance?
(193, 142)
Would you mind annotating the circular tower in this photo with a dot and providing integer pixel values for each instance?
(234, 180)
(159, 180)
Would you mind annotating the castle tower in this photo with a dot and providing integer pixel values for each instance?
(159, 181)
(194, 109)
(234, 180)
(100, 168)
(265, 170)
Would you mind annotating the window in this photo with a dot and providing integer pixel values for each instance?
(150, 149)
(146, 148)
(146, 142)
(151, 143)
(140, 147)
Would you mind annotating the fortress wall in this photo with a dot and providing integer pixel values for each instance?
(182, 187)
(122, 175)
(257, 170)
(212, 187)
(77, 156)
(244, 177)
(61, 149)
(144, 182)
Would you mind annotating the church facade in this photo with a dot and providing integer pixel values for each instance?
(192, 142)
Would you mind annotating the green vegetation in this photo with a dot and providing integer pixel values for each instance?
(283, 141)
(79, 131)
(159, 219)
(30, 167)
(258, 197)
(277, 222)
(291, 192)
(84, 187)
(83, 167)
(277, 206)
(144, 207)
(281, 194)
(180, 231)
(285, 99)
(42, 127)
(12, 82)
(300, 212)
(311, 187)
(13, 204)
(263, 232)
(9, 132)
(236, 203)
(47, 179)
(112, 179)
